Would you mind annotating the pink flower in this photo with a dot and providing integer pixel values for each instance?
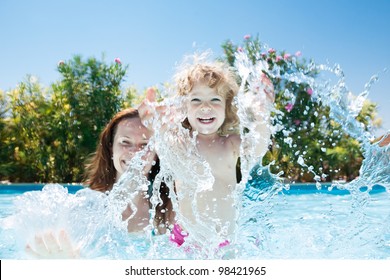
(239, 49)
(279, 58)
(309, 91)
(247, 37)
(298, 53)
(289, 107)
(117, 60)
(286, 56)
(297, 122)
(271, 50)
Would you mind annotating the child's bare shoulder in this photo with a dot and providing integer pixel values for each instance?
(234, 140)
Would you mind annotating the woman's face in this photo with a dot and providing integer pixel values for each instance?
(131, 136)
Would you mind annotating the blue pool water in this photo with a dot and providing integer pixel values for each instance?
(8, 192)
(298, 223)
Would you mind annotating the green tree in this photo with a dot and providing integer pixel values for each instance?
(50, 132)
(85, 99)
(5, 151)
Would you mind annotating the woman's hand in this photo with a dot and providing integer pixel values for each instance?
(48, 246)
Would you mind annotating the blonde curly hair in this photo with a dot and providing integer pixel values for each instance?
(216, 75)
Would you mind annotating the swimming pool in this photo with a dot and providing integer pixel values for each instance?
(8, 192)
(303, 222)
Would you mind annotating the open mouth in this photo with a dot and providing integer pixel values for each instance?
(206, 120)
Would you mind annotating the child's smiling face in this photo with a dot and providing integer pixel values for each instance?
(206, 109)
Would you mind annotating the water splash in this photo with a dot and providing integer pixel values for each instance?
(344, 108)
(270, 224)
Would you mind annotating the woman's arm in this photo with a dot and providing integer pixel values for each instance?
(50, 246)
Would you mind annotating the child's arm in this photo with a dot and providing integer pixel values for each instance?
(260, 111)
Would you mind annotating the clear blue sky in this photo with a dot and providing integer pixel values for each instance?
(151, 36)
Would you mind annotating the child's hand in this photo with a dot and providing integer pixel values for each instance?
(262, 98)
(146, 109)
(149, 109)
(268, 88)
(47, 246)
(259, 101)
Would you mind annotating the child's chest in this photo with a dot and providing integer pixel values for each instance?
(222, 159)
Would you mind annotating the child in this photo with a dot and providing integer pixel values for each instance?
(211, 119)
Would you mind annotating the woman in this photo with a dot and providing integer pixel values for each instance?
(122, 137)
(119, 141)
